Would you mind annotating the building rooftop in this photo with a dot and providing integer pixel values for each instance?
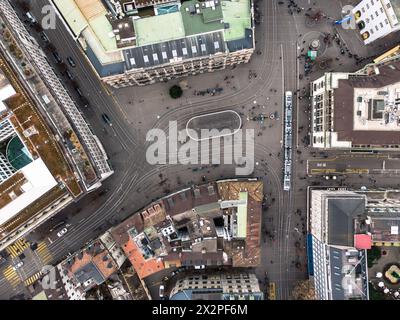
(238, 16)
(160, 28)
(365, 95)
(37, 181)
(341, 214)
(91, 266)
(194, 229)
(348, 273)
(160, 36)
(146, 3)
(174, 50)
(199, 18)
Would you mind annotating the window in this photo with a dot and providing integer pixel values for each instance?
(388, 5)
(381, 24)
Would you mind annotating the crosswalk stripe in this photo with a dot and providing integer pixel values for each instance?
(11, 276)
(32, 279)
(43, 252)
(16, 248)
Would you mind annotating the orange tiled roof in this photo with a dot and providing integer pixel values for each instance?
(102, 265)
(143, 267)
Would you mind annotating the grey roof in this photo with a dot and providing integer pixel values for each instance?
(240, 44)
(185, 48)
(107, 69)
(341, 214)
(338, 271)
(89, 271)
(336, 266)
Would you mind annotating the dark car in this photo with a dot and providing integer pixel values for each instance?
(44, 37)
(106, 119)
(78, 91)
(57, 57)
(71, 62)
(69, 74)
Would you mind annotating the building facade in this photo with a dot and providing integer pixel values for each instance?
(377, 18)
(151, 41)
(232, 286)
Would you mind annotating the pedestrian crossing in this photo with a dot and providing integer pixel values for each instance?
(32, 279)
(11, 276)
(17, 248)
(43, 252)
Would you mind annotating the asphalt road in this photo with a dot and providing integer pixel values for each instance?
(133, 111)
(354, 164)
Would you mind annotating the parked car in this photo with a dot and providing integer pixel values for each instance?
(79, 91)
(44, 37)
(161, 291)
(62, 232)
(18, 265)
(57, 57)
(69, 75)
(106, 119)
(71, 62)
(30, 17)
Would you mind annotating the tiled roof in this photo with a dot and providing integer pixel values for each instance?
(143, 267)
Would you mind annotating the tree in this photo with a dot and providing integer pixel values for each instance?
(373, 255)
(304, 290)
(175, 92)
(51, 47)
(62, 67)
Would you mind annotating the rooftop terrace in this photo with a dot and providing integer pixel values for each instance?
(159, 28)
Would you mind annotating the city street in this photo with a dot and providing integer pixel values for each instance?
(251, 90)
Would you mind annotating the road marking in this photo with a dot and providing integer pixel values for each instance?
(32, 279)
(11, 276)
(18, 247)
(43, 252)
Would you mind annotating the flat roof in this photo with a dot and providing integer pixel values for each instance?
(80, 14)
(237, 14)
(160, 28)
(39, 181)
(344, 107)
(73, 16)
(5, 92)
(208, 20)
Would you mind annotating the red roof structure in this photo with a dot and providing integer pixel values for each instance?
(362, 241)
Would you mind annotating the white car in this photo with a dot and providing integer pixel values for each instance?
(161, 291)
(18, 265)
(62, 232)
